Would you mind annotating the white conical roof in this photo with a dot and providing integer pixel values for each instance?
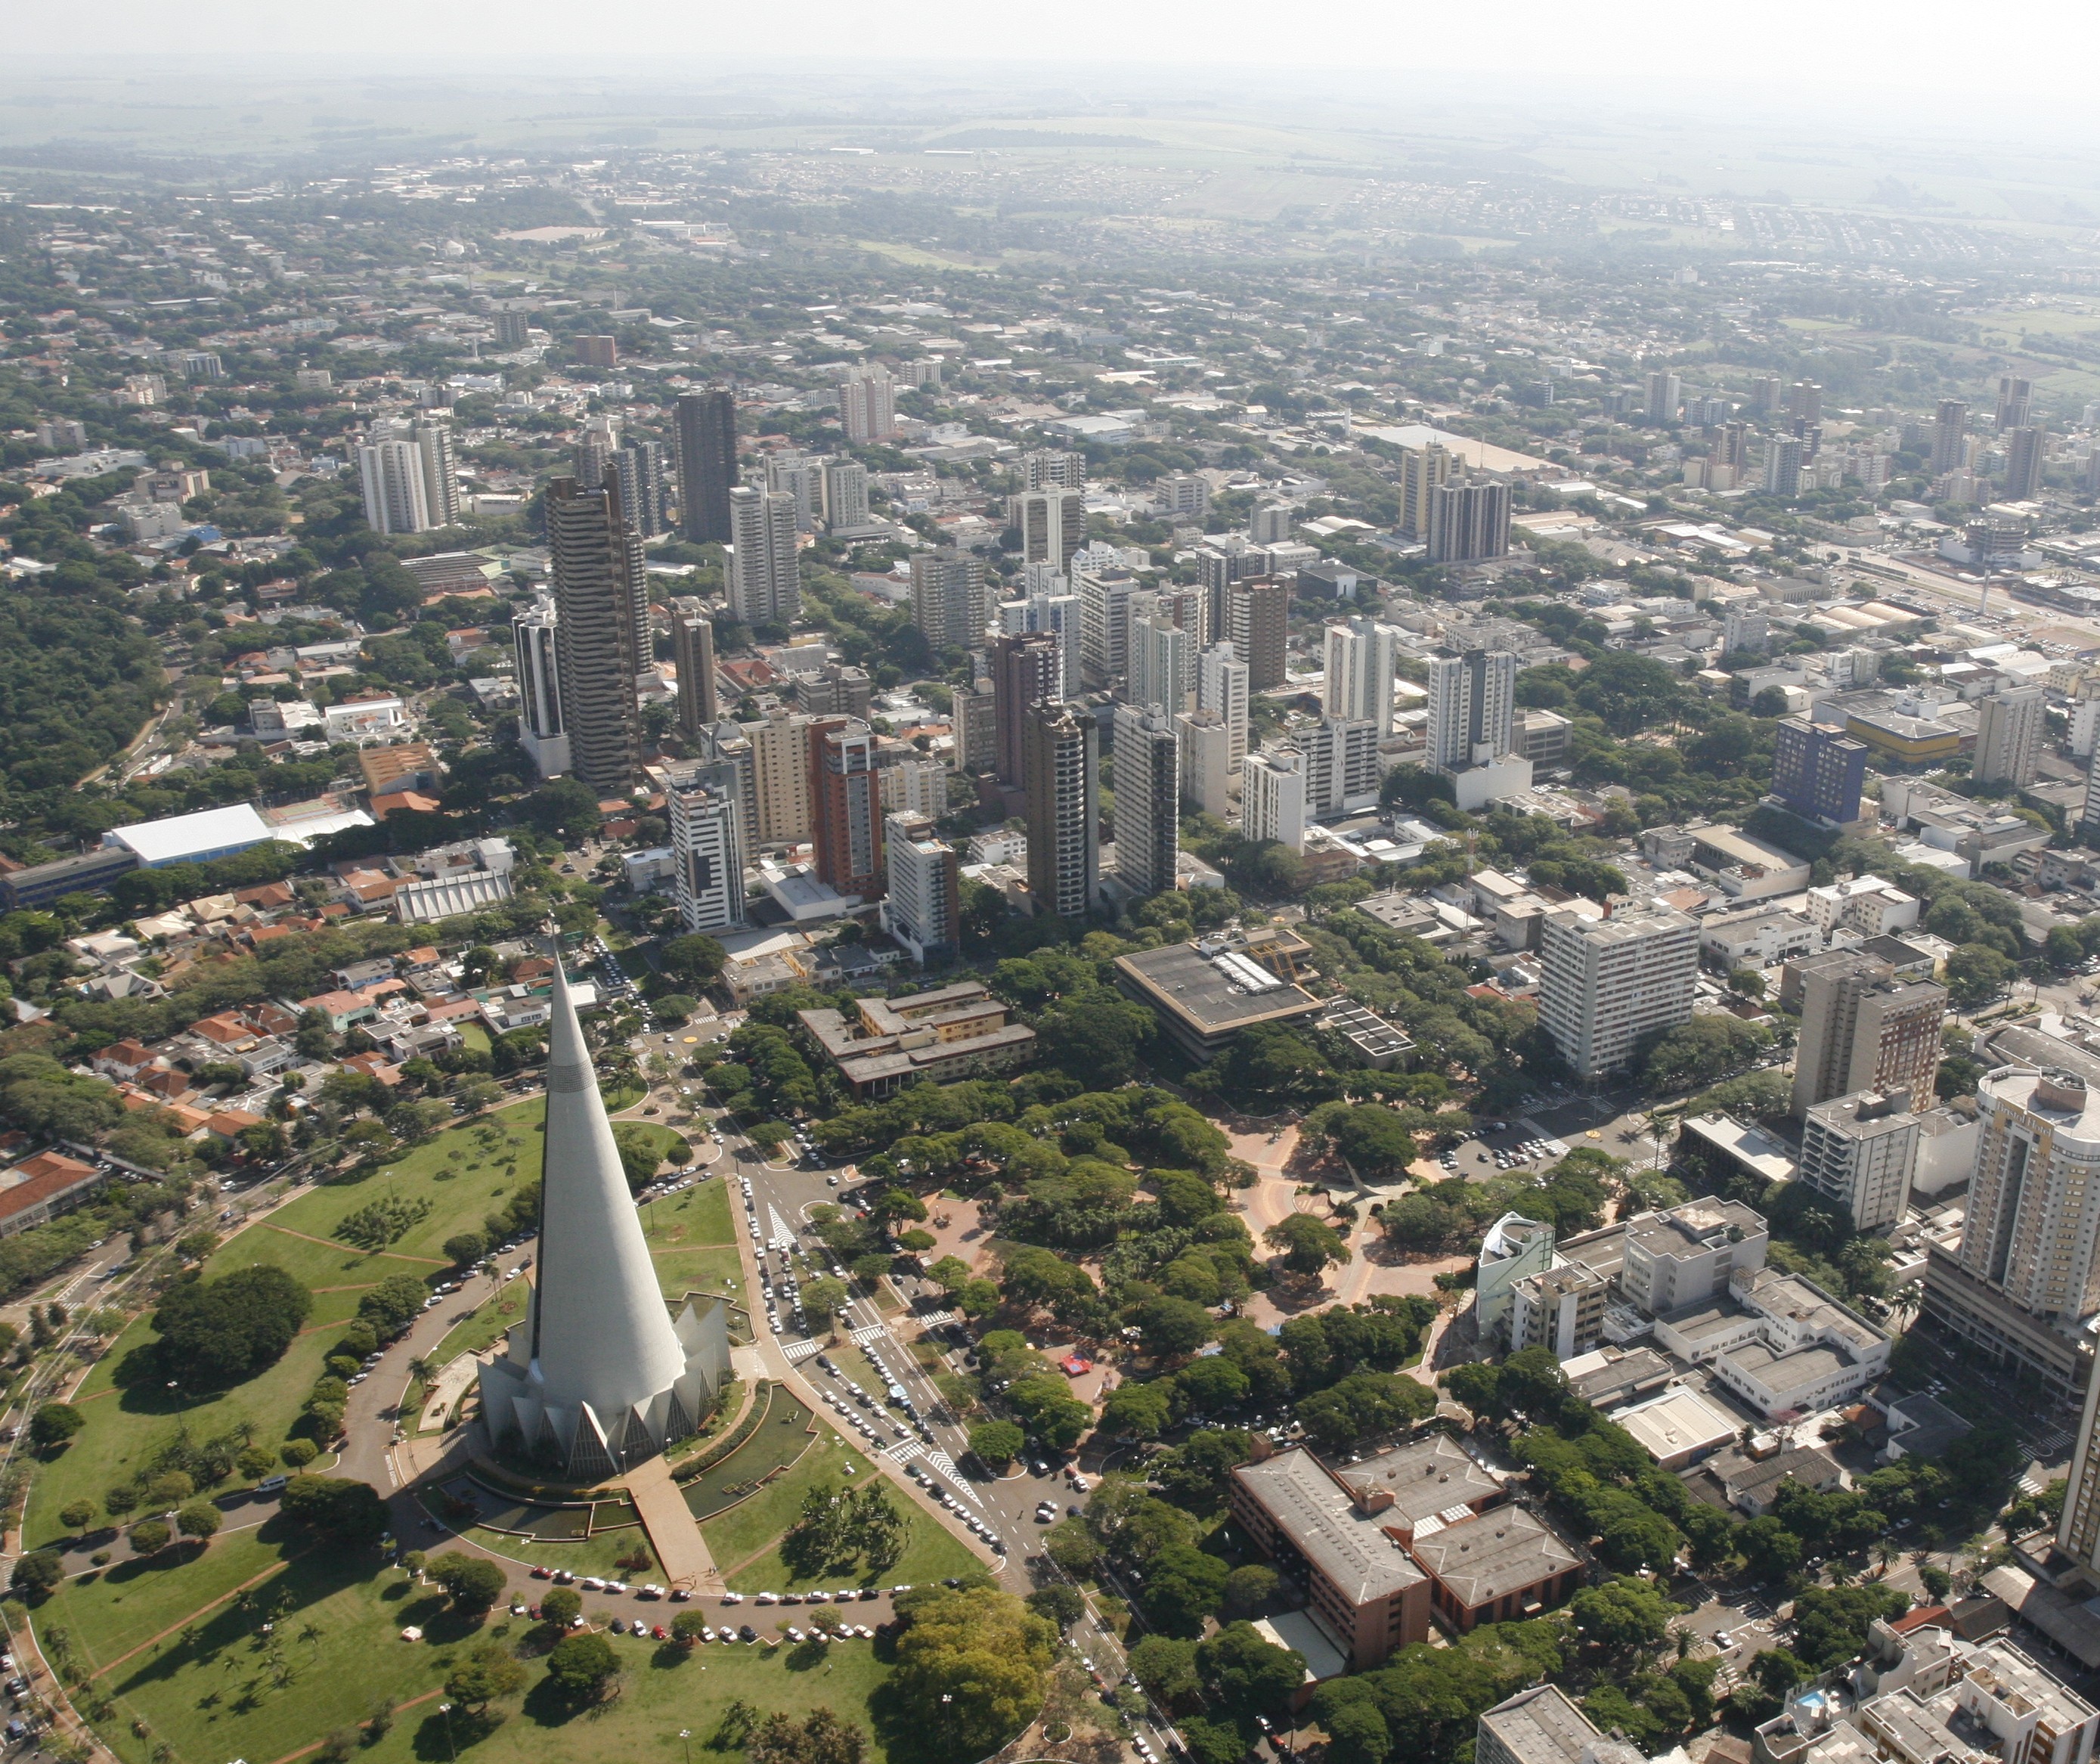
(601, 1333)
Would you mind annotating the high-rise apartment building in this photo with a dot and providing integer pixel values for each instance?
(868, 406)
(2023, 1286)
(1863, 1030)
(693, 653)
(833, 689)
(1270, 522)
(389, 474)
(591, 457)
(950, 600)
(707, 845)
(800, 477)
(1205, 761)
(1273, 798)
(642, 489)
(2015, 403)
(976, 723)
(1804, 398)
(729, 744)
(2008, 735)
(2024, 449)
(1059, 774)
(1055, 609)
(915, 787)
(1054, 469)
(1859, 1152)
(1258, 626)
(1181, 495)
(1472, 708)
(1162, 660)
(1607, 983)
(1950, 435)
(600, 592)
(513, 329)
(1343, 771)
(780, 770)
(1024, 671)
(541, 732)
(1663, 393)
(1147, 798)
(1785, 456)
(764, 569)
(922, 909)
(845, 487)
(1469, 523)
(1360, 657)
(1052, 525)
(1423, 472)
(1818, 772)
(1221, 685)
(433, 439)
(845, 801)
(706, 426)
(1105, 595)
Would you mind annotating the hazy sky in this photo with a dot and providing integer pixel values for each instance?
(1993, 60)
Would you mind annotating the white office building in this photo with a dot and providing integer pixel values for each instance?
(541, 730)
(706, 844)
(1106, 593)
(1273, 798)
(1607, 982)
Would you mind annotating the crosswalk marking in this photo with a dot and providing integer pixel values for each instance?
(939, 1320)
(795, 1350)
(904, 1451)
(872, 1332)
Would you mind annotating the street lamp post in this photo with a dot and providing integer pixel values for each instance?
(686, 1733)
(451, 1751)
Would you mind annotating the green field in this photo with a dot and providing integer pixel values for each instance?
(464, 1173)
(692, 1241)
(216, 1687)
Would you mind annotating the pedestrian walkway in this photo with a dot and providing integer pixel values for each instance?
(451, 1384)
(795, 1350)
(673, 1533)
(867, 1333)
(905, 1450)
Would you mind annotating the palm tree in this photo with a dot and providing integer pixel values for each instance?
(1885, 1551)
(419, 1368)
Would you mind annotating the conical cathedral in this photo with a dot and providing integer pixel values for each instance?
(598, 1378)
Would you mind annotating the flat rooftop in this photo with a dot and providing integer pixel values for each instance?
(1211, 994)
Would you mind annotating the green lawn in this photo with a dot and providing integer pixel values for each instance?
(130, 1413)
(752, 1524)
(934, 1553)
(507, 1307)
(691, 1240)
(598, 1553)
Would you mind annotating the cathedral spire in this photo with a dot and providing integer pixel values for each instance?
(599, 1374)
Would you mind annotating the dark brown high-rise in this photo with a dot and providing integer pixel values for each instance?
(707, 465)
(1024, 672)
(1257, 622)
(693, 649)
(598, 586)
(845, 802)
